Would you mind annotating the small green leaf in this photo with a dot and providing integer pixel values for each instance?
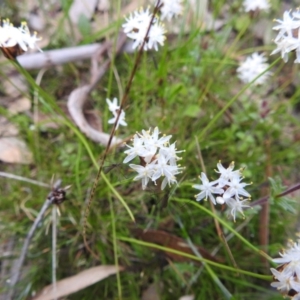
(84, 25)
(192, 110)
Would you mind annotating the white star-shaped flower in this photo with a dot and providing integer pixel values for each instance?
(144, 173)
(11, 36)
(226, 174)
(114, 108)
(112, 105)
(253, 66)
(163, 168)
(136, 28)
(207, 189)
(158, 158)
(253, 5)
(286, 281)
(236, 188)
(236, 206)
(288, 38)
(170, 9)
(121, 120)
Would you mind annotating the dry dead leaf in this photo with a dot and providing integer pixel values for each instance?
(77, 282)
(101, 22)
(45, 122)
(36, 20)
(152, 292)
(19, 105)
(76, 102)
(103, 5)
(15, 86)
(80, 8)
(14, 150)
(7, 128)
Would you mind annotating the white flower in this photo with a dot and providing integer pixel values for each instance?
(170, 153)
(288, 38)
(207, 189)
(156, 37)
(253, 5)
(136, 28)
(252, 67)
(293, 268)
(157, 157)
(115, 108)
(291, 259)
(236, 188)
(288, 273)
(138, 149)
(286, 25)
(163, 168)
(227, 189)
(153, 140)
(223, 199)
(121, 120)
(285, 282)
(11, 36)
(137, 20)
(284, 46)
(236, 206)
(170, 8)
(144, 173)
(291, 254)
(226, 174)
(113, 105)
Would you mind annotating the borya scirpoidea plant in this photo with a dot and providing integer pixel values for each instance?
(228, 189)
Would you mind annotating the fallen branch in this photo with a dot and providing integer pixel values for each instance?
(47, 59)
(79, 96)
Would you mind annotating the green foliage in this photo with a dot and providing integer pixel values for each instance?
(189, 89)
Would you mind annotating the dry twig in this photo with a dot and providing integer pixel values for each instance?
(56, 196)
(79, 96)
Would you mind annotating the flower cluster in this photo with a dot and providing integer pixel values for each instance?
(141, 22)
(228, 187)
(115, 108)
(254, 65)
(158, 158)
(287, 275)
(136, 28)
(169, 8)
(288, 38)
(253, 5)
(13, 37)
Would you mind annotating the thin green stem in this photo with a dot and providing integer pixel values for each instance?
(230, 102)
(171, 250)
(225, 224)
(212, 274)
(115, 246)
(221, 64)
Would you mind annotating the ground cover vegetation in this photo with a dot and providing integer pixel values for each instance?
(154, 154)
